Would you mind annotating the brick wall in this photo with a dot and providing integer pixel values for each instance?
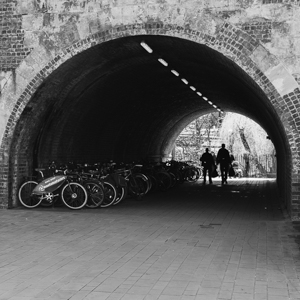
(12, 49)
(259, 30)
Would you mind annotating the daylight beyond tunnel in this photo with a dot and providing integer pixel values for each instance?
(118, 101)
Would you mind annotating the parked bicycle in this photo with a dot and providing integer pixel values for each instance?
(60, 185)
(93, 173)
(160, 178)
(138, 184)
(105, 184)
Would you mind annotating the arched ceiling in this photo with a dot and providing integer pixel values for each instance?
(116, 101)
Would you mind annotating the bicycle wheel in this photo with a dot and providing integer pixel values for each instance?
(95, 194)
(25, 194)
(74, 195)
(137, 185)
(146, 181)
(121, 194)
(149, 182)
(173, 179)
(192, 174)
(164, 180)
(110, 194)
(178, 177)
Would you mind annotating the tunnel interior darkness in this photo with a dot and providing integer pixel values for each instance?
(117, 101)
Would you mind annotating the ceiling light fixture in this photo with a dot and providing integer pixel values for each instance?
(184, 80)
(175, 72)
(146, 47)
(163, 62)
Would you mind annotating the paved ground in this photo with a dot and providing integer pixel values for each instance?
(192, 243)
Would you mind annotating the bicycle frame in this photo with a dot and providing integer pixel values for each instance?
(50, 184)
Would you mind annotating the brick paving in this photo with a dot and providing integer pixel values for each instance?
(192, 243)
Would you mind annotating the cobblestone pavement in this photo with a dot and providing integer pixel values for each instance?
(192, 243)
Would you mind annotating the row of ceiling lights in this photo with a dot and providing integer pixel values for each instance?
(164, 63)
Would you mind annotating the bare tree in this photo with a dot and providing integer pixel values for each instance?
(198, 133)
(249, 137)
(246, 137)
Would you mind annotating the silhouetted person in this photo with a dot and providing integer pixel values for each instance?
(207, 163)
(223, 158)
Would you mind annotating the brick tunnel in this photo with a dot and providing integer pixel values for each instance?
(76, 83)
(118, 101)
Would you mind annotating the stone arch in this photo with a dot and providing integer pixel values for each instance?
(277, 84)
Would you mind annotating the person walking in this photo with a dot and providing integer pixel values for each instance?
(207, 163)
(223, 158)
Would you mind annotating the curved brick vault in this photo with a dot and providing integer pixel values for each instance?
(105, 97)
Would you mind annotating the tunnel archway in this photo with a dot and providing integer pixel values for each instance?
(61, 112)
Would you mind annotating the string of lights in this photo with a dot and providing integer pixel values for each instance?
(185, 81)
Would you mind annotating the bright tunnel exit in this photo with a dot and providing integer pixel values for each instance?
(253, 153)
